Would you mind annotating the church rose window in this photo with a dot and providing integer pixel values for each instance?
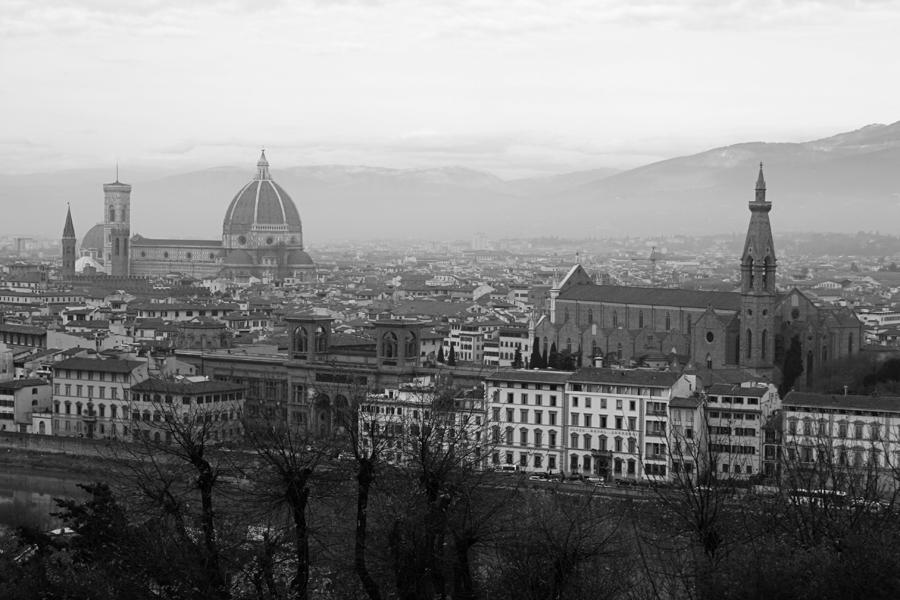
(242, 240)
(270, 240)
(710, 337)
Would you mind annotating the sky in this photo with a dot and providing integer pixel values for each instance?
(514, 87)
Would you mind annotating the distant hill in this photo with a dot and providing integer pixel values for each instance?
(847, 182)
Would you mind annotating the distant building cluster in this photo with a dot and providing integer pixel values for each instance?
(617, 367)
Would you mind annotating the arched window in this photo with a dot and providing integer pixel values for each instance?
(586, 463)
(301, 340)
(509, 436)
(601, 441)
(749, 343)
(112, 214)
(545, 345)
(101, 409)
(117, 247)
(668, 322)
(764, 340)
(410, 344)
(112, 411)
(568, 344)
(640, 319)
(523, 437)
(850, 344)
(750, 271)
(322, 339)
(590, 315)
(765, 274)
(389, 345)
(566, 315)
(615, 319)
(708, 361)
(587, 441)
(574, 437)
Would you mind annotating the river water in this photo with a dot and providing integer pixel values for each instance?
(26, 498)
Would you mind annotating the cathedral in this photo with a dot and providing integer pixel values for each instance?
(262, 238)
(746, 332)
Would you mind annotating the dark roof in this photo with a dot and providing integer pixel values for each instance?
(185, 387)
(689, 402)
(69, 228)
(530, 376)
(139, 240)
(629, 376)
(17, 384)
(26, 329)
(96, 364)
(723, 389)
(840, 402)
(617, 294)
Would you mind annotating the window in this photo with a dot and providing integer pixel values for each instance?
(495, 414)
(537, 461)
(551, 436)
(668, 322)
(574, 441)
(552, 418)
(601, 442)
(509, 436)
(523, 415)
(632, 406)
(538, 417)
(575, 401)
(749, 343)
(618, 422)
(632, 423)
(523, 437)
(551, 462)
(552, 400)
(538, 438)
(587, 420)
(509, 397)
(618, 404)
(640, 319)
(618, 444)
(538, 400)
(574, 419)
(615, 319)
(587, 441)
(510, 414)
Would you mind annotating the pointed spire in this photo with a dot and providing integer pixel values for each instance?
(761, 185)
(69, 229)
(262, 166)
(760, 181)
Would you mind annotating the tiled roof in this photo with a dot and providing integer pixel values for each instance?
(690, 402)
(723, 389)
(627, 376)
(17, 384)
(96, 364)
(185, 387)
(139, 241)
(531, 376)
(840, 402)
(616, 294)
(26, 329)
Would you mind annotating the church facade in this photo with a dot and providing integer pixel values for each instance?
(746, 331)
(262, 237)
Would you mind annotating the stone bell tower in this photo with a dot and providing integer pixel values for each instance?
(117, 227)
(68, 243)
(758, 264)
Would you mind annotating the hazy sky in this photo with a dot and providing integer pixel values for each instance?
(516, 87)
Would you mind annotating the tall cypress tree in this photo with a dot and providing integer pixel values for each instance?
(535, 362)
(517, 359)
(451, 360)
(553, 363)
(440, 356)
(793, 366)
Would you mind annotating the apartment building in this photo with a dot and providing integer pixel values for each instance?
(398, 419)
(91, 396)
(735, 417)
(845, 430)
(617, 421)
(526, 415)
(19, 399)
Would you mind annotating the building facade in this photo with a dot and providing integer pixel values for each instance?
(748, 329)
(262, 238)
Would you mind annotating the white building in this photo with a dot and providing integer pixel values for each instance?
(400, 419)
(526, 418)
(617, 421)
(19, 399)
(735, 416)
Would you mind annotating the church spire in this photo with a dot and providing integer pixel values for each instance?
(760, 185)
(262, 166)
(69, 229)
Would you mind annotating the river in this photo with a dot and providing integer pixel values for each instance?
(26, 498)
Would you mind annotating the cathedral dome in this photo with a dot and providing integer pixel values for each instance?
(92, 242)
(262, 207)
(298, 258)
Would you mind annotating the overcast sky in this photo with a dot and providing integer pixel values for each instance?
(516, 87)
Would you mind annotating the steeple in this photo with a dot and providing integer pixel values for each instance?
(760, 185)
(67, 246)
(758, 267)
(69, 229)
(262, 166)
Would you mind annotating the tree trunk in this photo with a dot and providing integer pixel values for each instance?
(463, 586)
(205, 482)
(364, 479)
(298, 495)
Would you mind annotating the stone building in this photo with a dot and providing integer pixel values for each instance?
(747, 330)
(262, 237)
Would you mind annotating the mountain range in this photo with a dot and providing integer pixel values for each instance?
(847, 182)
